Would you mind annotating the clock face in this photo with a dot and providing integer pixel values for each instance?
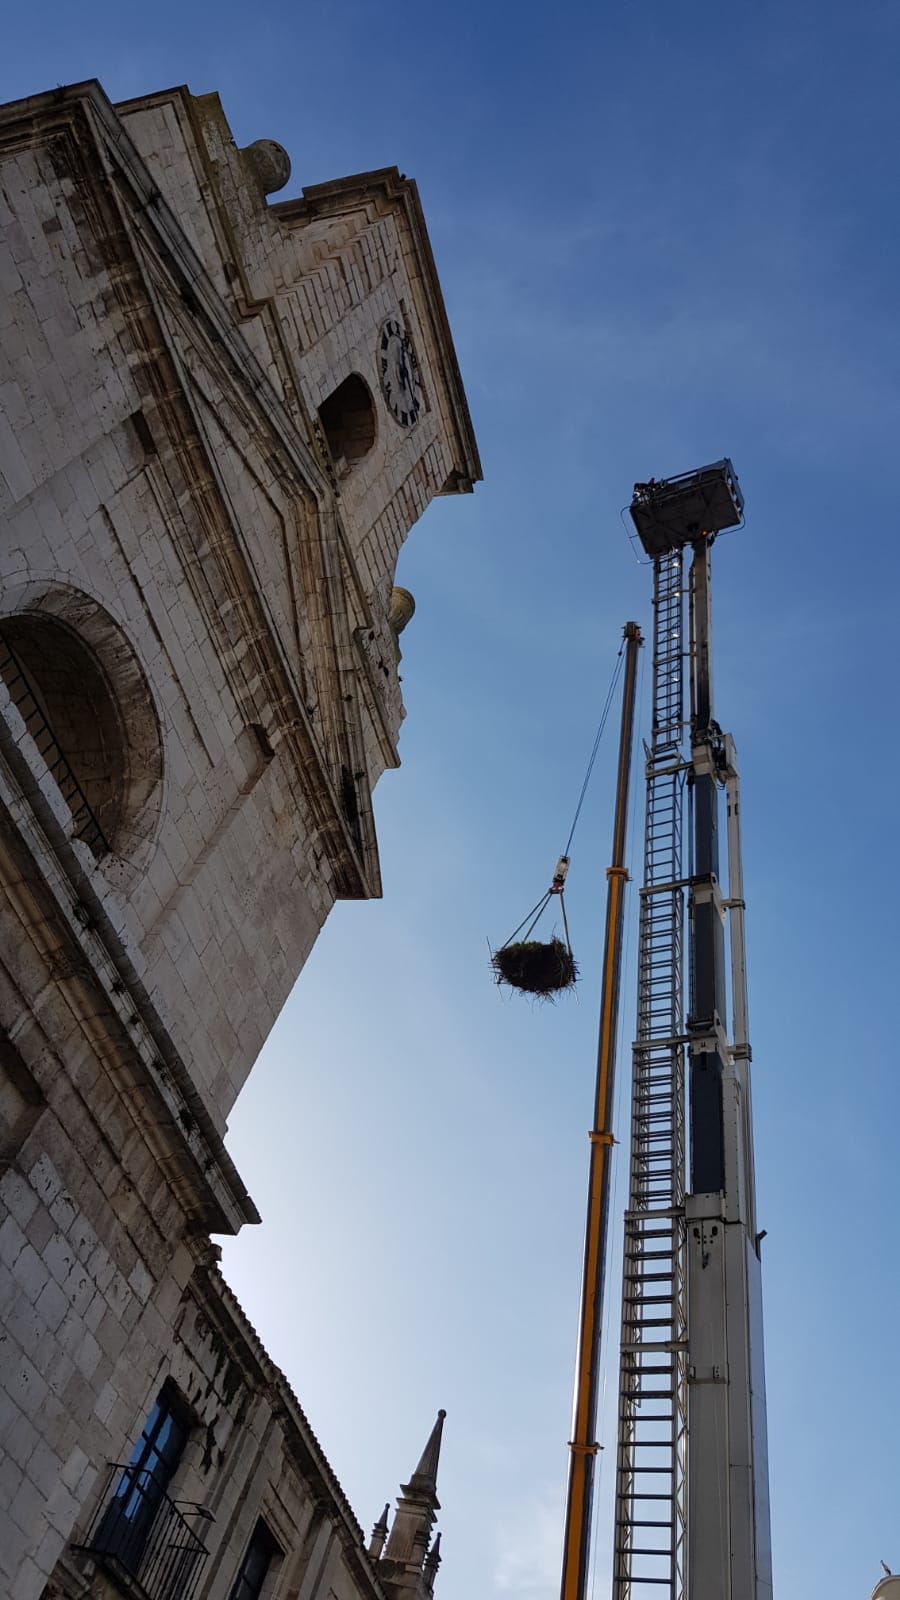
(399, 371)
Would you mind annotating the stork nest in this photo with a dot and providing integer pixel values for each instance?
(535, 968)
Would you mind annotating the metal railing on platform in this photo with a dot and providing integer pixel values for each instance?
(143, 1541)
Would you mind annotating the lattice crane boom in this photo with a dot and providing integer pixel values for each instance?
(692, 1518)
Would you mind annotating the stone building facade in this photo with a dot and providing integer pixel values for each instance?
(219, 419)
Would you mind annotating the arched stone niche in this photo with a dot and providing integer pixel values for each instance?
(349, 422)
(79, 688)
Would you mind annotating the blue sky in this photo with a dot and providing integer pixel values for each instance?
(665, 234)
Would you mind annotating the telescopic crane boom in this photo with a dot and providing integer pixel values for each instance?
(692, 1510)
(692, 1505)
(583, 1444)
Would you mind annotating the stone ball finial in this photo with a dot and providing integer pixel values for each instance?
(270, 163)
(402, 609)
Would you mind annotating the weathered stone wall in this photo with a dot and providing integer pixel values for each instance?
(89, 1283)
(97, 508)
(198, 692)
(250, 1455)
(313, 282)
(186, 523)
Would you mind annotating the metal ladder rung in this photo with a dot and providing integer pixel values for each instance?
(634, 1581)
(653, 1347)
(636, 1495)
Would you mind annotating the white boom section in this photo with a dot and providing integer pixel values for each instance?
(740, 1027)
(729, 1554)
(728, 1511)
(692, 1512)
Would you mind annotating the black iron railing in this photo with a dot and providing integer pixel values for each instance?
(142, 1541)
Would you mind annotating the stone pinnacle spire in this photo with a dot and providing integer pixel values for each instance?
(417, 1507)
(379, 1533)
(424, 1479)
(432, 1562)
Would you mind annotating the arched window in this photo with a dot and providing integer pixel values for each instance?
(348, 421)
(99, 741)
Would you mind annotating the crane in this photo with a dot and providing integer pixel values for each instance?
(691, 1494)
(583, 1445)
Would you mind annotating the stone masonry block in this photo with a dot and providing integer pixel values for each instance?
(43, 1468)
(29, 1271)
(52, 1305)
(28, 1581)
(20, 1439)
(45, 1179)
(18, 1196)
(12, 1241)
(40, 1230)
(62, 1508)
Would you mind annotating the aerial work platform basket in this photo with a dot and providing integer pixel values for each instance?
(669, 513)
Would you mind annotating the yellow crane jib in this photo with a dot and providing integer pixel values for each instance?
(583, 1446)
